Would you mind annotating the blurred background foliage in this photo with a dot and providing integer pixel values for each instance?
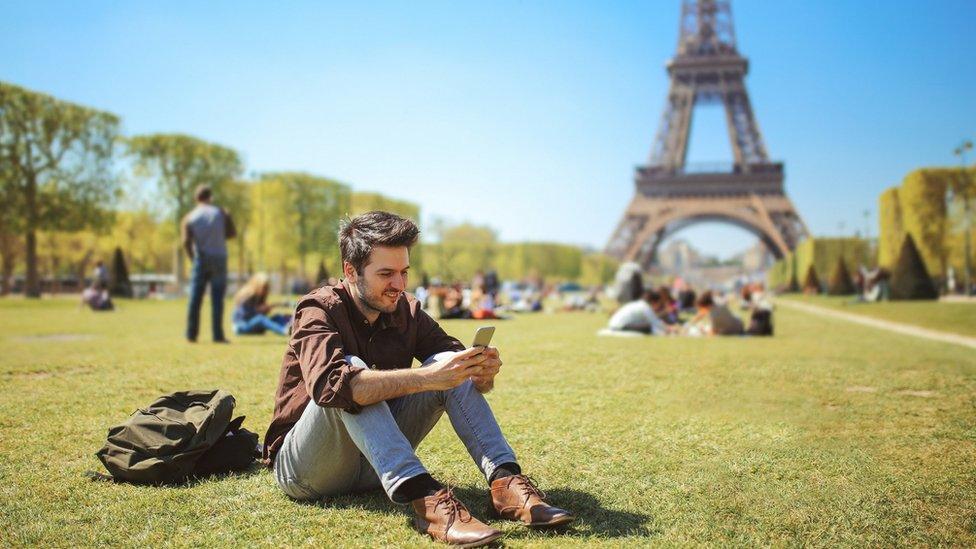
(103, 190)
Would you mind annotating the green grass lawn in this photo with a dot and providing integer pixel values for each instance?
(957, 318)
(829, 433)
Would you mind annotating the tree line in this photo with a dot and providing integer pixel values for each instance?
(73, 188)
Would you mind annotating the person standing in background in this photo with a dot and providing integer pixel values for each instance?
(205, 230)
(100, 274)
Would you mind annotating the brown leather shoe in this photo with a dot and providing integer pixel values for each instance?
(517, 498)
(446, 519)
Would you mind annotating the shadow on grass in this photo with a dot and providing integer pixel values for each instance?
(190, 482)
(592, 518)
(373, 500)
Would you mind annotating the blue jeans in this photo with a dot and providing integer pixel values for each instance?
(331, 452)
(212, 269)
(258, 323)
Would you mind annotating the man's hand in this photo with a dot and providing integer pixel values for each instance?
(485, 380)
(455, 369)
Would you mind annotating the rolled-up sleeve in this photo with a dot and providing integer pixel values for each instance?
(325, 370)
(432, 339)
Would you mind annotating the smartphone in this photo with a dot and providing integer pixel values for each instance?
(483, 336)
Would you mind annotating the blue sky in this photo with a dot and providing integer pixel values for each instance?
(528, 116)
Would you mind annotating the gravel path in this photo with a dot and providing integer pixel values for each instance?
(898, 327)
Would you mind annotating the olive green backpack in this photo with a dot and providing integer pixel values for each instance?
(183, 434)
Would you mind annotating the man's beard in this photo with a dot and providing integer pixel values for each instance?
(374, 303)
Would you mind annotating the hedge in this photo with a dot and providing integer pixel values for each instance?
(821, 253)
(918, 207)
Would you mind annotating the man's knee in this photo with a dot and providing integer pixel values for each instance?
(436, 356)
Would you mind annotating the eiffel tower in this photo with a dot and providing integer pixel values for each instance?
(671, 194)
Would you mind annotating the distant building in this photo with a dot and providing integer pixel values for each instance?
(756, 258)
(678, 256)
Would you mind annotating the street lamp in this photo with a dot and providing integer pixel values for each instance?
(960, 151)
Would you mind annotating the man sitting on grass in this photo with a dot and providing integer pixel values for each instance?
(350, 410)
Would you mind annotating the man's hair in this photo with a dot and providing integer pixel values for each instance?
(706, 299)
(203, 193)
(359, 235)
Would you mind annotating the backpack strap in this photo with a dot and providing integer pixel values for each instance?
(235, 425)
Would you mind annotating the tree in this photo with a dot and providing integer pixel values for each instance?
(179, 163)
(362, 202)
(121, 286)
(909, 278)
(811, 284)
(840, 280)
(322, 277)
(236, 197)
(10, 248)
(317, 209)
(57, 168)
(62, 254)
(10, 244)
(460, 249)
(597, 269)
(296, 215)
(793, 286)
(147, 241)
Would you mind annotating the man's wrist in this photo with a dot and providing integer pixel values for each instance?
(423, 379)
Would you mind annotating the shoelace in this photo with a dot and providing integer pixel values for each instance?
(527, 484)
(455, 508)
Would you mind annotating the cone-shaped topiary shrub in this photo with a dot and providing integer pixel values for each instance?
(121, 287)
(793, 286)
(909, 279)
(322, 278)
(840, 280)
(811, 284)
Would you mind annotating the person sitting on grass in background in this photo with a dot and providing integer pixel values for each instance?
(760, 310)
(666, 308)
(252, 313)
(452, 305)
(97, 297)
(713, 318)
(350, 411)
(639, 316)
(482, 305)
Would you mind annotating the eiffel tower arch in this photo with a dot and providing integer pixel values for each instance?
(671, 194)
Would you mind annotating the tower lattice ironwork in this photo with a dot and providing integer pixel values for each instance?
(672, 194)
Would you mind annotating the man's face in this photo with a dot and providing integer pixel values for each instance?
(383, 280)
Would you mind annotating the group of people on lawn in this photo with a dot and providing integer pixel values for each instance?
(657, 312)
